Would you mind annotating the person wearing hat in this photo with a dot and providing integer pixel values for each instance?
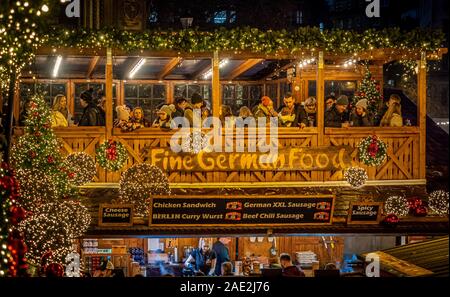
(292, 114)
(311, 111)
(393, 115)
(359, 116)
(337, 116)
(164, 116)
(196, 105)
(265, 109)
(91, 114)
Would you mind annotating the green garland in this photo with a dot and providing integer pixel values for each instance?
(111, 155)
(249, 39)
(372, 151)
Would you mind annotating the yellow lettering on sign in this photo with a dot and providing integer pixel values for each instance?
(176, 162)
(221, 159)
(322, 156)
(293, 156)
(247, 160)
(302, 161)
(232, 159)
(155, 156)
(187, 163)
(202, 164)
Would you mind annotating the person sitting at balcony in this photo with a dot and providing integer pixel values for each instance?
(61, 116)
(226, 114)
(138, 119)
(330, 100)
(337, 116)
(205, 113)
(180, 106)
(102, 107)
(196, 104)
(164, 117)
(245, 112)
(265, 109)
(393, 115)
(291, 114)
(311, 111)
(91, 114)
(359, 116)
(123, 119)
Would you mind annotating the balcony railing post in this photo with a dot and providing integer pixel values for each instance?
(109, 92)
(422, 111)
(320, 94)
(215, 85)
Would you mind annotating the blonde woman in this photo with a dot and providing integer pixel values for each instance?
(202, 257)
(61, 116)
(393, 115)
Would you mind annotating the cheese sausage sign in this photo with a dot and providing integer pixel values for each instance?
(287, 159)
(191, 210)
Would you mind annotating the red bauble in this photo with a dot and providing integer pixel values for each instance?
(421, 211)
(414, 203)
(36, 114)
(17, 214)
(71, 175)
(391, 220)
(50, 159)
(54, 270)
(37, 134)
(33, 154)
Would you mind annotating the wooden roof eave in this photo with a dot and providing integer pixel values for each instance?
(385, 54)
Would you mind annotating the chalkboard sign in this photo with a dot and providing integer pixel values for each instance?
(191, 210)
(364, 213)
(115, 215)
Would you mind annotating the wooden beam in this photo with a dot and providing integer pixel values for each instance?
(92, 65)
(243, 68)
(422, 112)
(205, 65)
(215, 85)
(169, 67)
(109, 93)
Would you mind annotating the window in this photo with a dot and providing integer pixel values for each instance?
(312, 88)
(271, 91)
(80, 88)
(284, 88)
(237, 96)
(340, 87)
(49, 90)
(148, 96)
(299, 17)
(186, 91)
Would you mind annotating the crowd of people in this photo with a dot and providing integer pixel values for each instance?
(339, 112)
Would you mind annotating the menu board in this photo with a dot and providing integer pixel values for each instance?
(115, 215)
(190, 210)
(364, 213)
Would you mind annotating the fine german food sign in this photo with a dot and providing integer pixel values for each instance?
(115, 215)
(189, 210)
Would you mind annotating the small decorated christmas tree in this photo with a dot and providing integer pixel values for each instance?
(370, 90)
(39, 151)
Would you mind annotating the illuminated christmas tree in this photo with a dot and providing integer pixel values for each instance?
(370, 90)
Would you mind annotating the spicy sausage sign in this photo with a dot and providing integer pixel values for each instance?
(189, 210)
(287, 159)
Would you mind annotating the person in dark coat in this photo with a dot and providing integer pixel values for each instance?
(222, 253)
(180, 105)
(292, 114)
(337, 116)
(91, 114)
(359, 117)
(289, 269)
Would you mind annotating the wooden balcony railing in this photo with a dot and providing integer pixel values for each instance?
(403, 160)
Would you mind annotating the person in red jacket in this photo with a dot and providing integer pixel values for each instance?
(290, 269)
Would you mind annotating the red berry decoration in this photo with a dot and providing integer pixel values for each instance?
(50, 159)
(391, 220)
(421, 211)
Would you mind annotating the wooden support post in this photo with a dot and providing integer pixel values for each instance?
(109, 92)
(297, 85)
(320, 95)
(215, 85)
(422, 112)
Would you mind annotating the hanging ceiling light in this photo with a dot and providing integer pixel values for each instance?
(56, 67)
(137, 67)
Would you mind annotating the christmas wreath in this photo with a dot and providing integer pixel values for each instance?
(372, 151)
(111, 155)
